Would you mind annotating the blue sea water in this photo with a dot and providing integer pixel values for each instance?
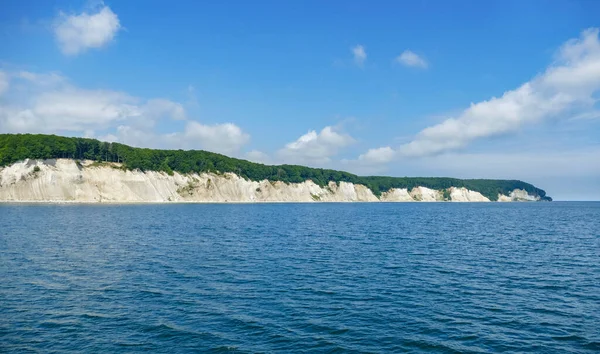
(356, 278)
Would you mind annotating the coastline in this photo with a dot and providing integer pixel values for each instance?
(68, 181)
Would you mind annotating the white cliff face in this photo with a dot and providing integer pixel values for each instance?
(518, 195)
(397, 195)
(424, 194)
(344, 191)
(522, 195)
(465, 195)
(65, 180)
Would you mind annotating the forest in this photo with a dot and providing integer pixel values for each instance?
(18, 147)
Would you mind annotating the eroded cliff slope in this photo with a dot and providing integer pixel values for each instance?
(67, 180)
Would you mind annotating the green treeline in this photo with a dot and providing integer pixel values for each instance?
(18, 147)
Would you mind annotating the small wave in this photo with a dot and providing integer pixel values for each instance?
(551, 287)
(224, 349)
(340, 331)
(167, 331)
(316, 291)
(57, 324)
(94, 315)
(125, 344)
(158, 328)
(430, 346)
(592, 345)
(466, 337)
(151, 293)
(570, 337)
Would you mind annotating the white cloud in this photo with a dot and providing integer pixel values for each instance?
(49, 103)
(77, 33)
(225, 138)
(65, 107)
(377, 156)
(410, 58)
(3, 82)
(314, 147)
(565, 89)
(360, 55)
(77, 109)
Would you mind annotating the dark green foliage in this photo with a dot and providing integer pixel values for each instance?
(17, 147)
(446, 194)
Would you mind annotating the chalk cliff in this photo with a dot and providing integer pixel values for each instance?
(66, 180)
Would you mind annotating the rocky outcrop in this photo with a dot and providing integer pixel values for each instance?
(465, 195)
(424, 194)
(397, 195)
(518, 195)
(66, 180)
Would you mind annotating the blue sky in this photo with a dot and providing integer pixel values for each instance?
(394, 88)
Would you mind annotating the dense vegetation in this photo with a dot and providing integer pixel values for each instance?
(17, 147)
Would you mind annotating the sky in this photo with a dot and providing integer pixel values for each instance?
(467, 89)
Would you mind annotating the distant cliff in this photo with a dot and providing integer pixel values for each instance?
(68, 180)
(53, 168)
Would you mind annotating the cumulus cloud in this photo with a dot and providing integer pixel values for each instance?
(360, 55)
(410, 58)
(49, 103)
(77, 33)
(225, 138)
(379, 155)
(314, 147)
(566, 88)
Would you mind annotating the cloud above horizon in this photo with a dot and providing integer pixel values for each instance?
(411, 59)
(226, 138)
(77, 33)
(316, 148)
(50, 103)
(566, 88)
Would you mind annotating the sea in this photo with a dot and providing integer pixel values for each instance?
(300, 278)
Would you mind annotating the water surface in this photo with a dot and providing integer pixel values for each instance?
(440, 277)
